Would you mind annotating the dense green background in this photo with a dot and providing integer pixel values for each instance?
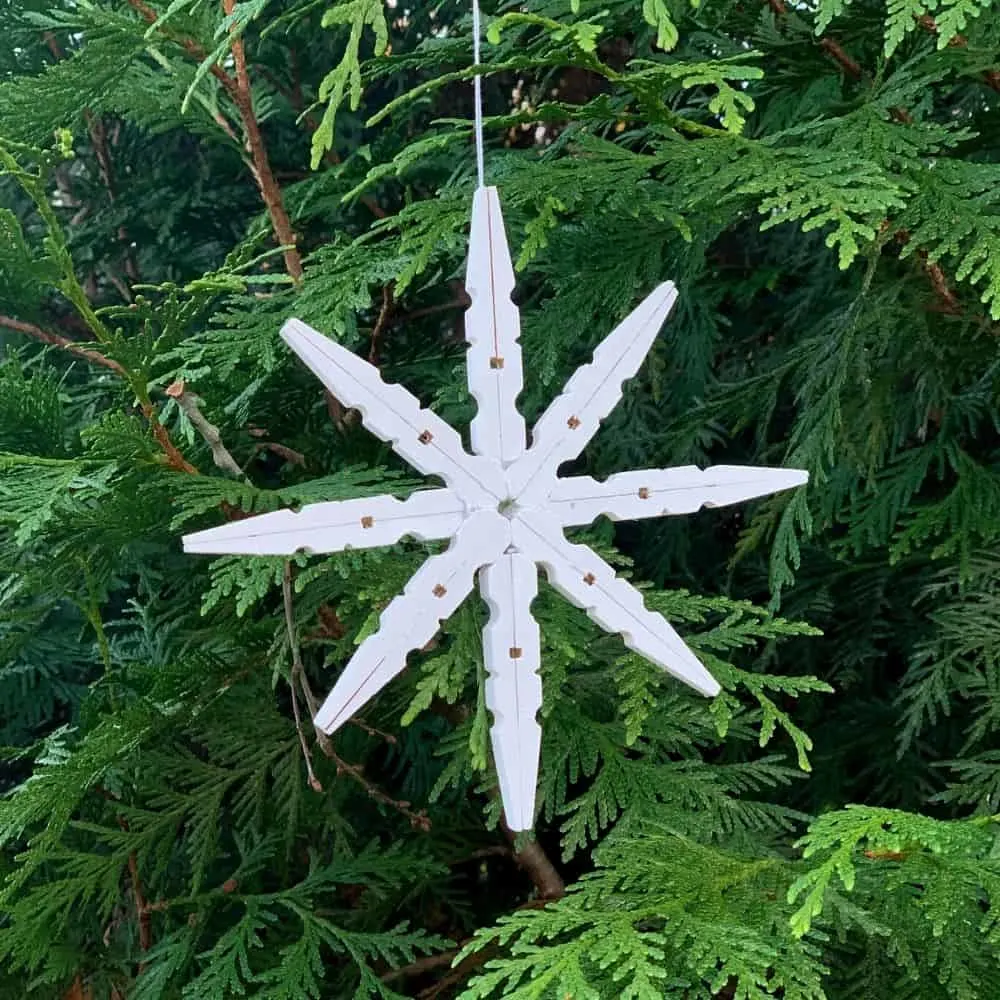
(821, 182)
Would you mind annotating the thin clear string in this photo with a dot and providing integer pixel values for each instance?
(477, 84)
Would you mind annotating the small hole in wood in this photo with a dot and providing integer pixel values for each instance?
(425, 437)
(590, 579)
(496, 362)
(643, 493)
(439, 591)
(515, 652)
(573, 423)
(367, 522)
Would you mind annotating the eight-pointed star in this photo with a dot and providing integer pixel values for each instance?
(503, 508)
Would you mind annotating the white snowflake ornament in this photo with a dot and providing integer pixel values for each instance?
(503, 508)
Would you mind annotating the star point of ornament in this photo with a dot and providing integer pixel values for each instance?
(503, 508)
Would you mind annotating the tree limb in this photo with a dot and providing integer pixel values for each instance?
(537, 865)
(269, 189)
(238, 89)
(57, 340)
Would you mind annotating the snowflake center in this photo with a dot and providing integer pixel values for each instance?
(508, 508)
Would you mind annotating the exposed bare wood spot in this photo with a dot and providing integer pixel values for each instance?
(515, 652)
(439, 591)
(367, 522)
(573, 423)
(590, 579)
(643, 493)
(425, 437)
(496, 362)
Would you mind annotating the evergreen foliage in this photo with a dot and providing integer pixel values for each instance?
(821, 181)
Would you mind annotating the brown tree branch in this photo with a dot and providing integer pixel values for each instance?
(269, 189)
(836, 52)
(947, 298)
(421, 966)
(174, 457)
(193, 49)
(141, 908)
(239, 91)
(294, 98)
(537, 865)
(57, 340)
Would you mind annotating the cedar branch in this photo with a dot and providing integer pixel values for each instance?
(948, 300)
(269, 189)
(991, 77)
(239, 91)
(174, 457)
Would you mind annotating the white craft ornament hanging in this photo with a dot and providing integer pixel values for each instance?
(504, 507)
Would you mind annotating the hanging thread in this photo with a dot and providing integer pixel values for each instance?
(477, 84)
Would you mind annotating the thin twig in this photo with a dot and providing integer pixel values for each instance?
(297, 672)
(288, 454)
(57, 340)
(142, 910)
(383, 318)
(220, 453)
(421, 966)
(372, 731)
(312, 704)
(419, 819)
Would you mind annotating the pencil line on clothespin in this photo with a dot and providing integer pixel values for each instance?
(477, 84)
